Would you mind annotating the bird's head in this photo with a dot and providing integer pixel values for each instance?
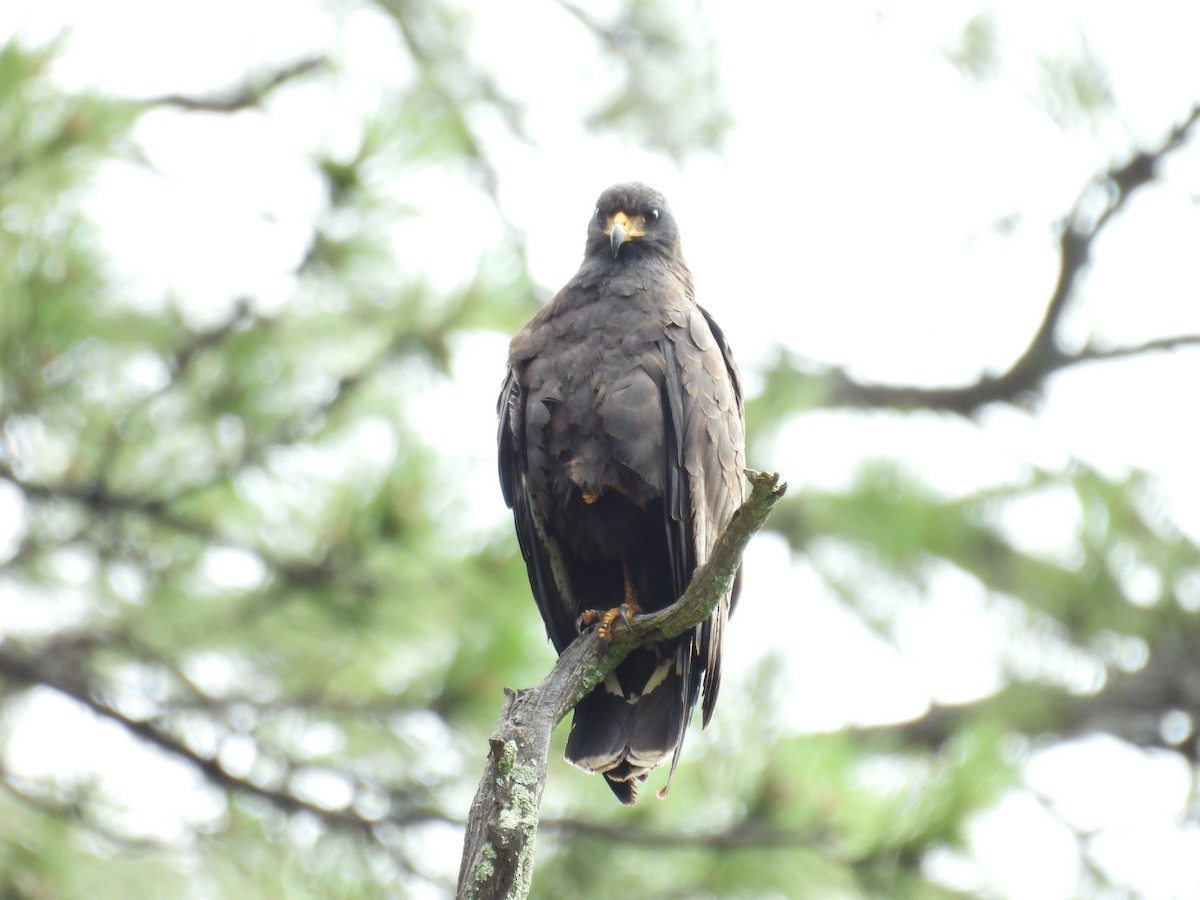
(631, 220)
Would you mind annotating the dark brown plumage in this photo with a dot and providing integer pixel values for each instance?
(621, 454)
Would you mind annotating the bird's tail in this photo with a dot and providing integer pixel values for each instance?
(633, 721)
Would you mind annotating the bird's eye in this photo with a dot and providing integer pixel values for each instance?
(599, 216)
(652, 217)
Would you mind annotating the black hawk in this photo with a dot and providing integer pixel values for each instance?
(621, 454)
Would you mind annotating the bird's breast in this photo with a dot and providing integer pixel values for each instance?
(595, 412)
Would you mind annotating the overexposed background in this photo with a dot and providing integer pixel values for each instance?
(872, 207)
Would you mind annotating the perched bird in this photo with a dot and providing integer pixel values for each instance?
(621, 453)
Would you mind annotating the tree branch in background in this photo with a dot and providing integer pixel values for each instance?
(62, 670)
(497, 857)
(835, 387)
(1132, 706)
(63, 667)
(247, 95)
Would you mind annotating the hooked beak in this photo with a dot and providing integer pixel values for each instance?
(617, 237)
(622, 228)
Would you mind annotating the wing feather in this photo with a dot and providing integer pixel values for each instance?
(677, 500)
(706, 431)
(543, 556)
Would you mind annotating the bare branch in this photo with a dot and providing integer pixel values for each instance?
(246, 96)
(1158, 345)
(498, 851)
(1012, 386)
(835, 387)
(1079, 233)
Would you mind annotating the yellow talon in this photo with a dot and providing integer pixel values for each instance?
(624, 613)
(606, 621)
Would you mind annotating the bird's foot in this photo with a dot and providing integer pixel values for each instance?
(623, 613)
(608, 618)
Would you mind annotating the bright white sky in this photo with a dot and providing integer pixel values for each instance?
(867, 165)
